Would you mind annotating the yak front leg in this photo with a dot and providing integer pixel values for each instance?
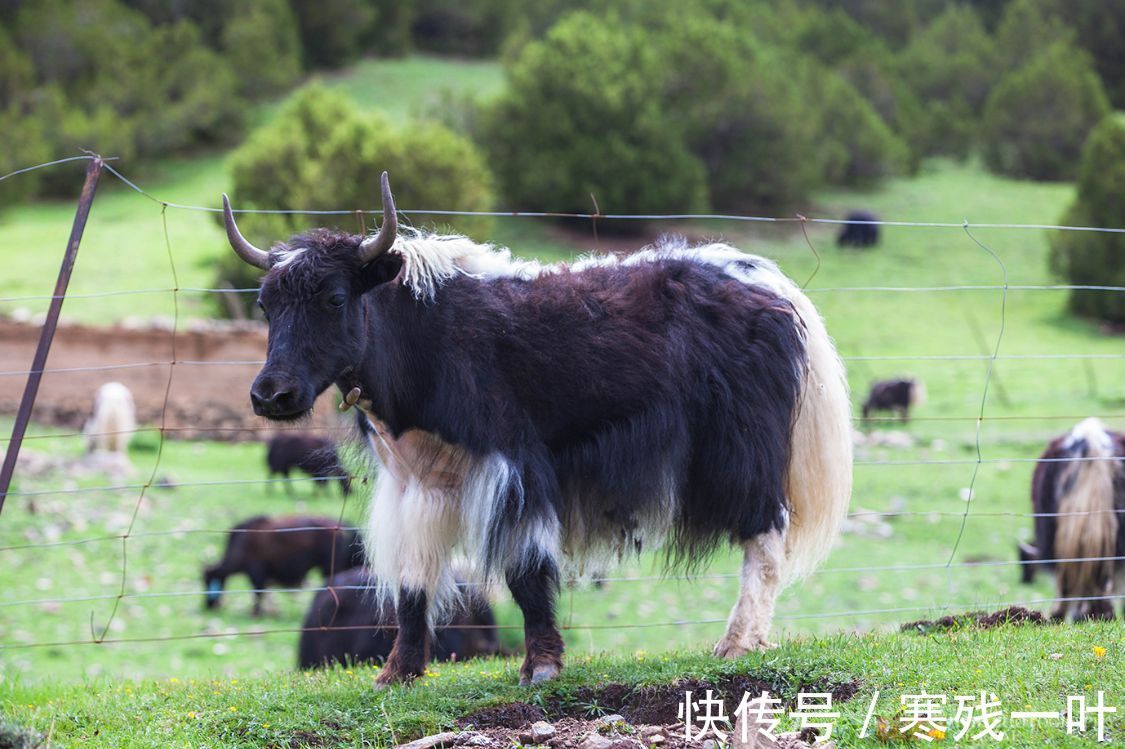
(411, 651)
(534, 588)
(752, 615)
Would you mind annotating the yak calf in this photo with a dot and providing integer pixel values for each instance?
(360, 626)
(310, 453)
(282, 550)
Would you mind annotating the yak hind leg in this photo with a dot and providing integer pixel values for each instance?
(752, 614)
(534, 588)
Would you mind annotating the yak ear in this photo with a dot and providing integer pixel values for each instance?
(382, 269)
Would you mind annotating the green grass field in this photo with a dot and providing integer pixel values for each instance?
(208, 685)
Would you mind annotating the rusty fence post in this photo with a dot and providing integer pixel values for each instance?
(31, 389)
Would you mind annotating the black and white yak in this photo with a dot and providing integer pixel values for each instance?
(282, 551)
(535, 414)
(311, 453)
(1078, 497)
(348, 622)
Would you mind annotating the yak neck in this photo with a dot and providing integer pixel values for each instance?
(395, 371)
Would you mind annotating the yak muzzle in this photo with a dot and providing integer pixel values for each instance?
(280, 398)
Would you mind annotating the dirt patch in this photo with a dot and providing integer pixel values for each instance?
(511, 715)
(208, 396)
(645, 706)
(977, 620)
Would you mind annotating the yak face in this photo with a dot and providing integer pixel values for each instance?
(313, 298)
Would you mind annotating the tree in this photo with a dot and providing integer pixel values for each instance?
(261, 42)
(583, 115)
(1096, 258)
(321, 153)
(949, 67)
(1038, 116)
(332, 31)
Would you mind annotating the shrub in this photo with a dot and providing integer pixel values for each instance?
(853, 144)
(1099, 26)
(23, 146)
(391, 35)
(465, 27)
(261, 42)
(332, 31)
(1026, 28)
(582, 114)
(1095, 258)
(948, 65)
(320, 153)
(1038, 116)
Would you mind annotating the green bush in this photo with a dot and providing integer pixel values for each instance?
(476, 28)
(1026, 28)
(261, 43)
(321, 153)
(1096, 258)
(949, 67)
(583, 114)
(1100, 28)
(853, 144)
(1038, 116)
(391, 35)
(332, 31)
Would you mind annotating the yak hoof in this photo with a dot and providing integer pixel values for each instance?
(540, 674)
(730, 650)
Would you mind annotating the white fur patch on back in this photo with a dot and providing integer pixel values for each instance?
(432, 259)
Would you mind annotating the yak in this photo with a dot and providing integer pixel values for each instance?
(311, 453)
(894, 395)
(282, 550)
(348, 622)
(536, 416)
(1078, 497)
(113, 421)
(859, 231)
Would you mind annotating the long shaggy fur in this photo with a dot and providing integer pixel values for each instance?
(1079, 479)
(622, 488)
(536, 415)
(111, 426)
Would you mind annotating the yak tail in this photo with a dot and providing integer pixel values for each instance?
(917, 393)
(819, 483)
(1087, 525)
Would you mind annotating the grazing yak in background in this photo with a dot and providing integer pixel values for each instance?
(894, 395)
(541, 414)
(282, 551)
(1078, 497)
(311, 453)
(861, 234)
(359, 625)
(110, 428)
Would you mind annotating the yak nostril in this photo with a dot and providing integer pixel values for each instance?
(269, 399)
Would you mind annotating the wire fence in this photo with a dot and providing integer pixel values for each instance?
(139, 493)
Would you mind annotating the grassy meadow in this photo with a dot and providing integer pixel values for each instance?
(210, 684)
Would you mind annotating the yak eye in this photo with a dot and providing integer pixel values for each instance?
(262, 307)
(337, 300)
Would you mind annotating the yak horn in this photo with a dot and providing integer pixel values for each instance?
(373, 247)
(245, 250)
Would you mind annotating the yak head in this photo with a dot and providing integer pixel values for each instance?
(312, 295)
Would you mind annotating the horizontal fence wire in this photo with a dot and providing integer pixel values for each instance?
(948, 566)
(260, 362)
(564, 627)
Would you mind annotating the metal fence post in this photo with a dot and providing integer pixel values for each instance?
(31, 389)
